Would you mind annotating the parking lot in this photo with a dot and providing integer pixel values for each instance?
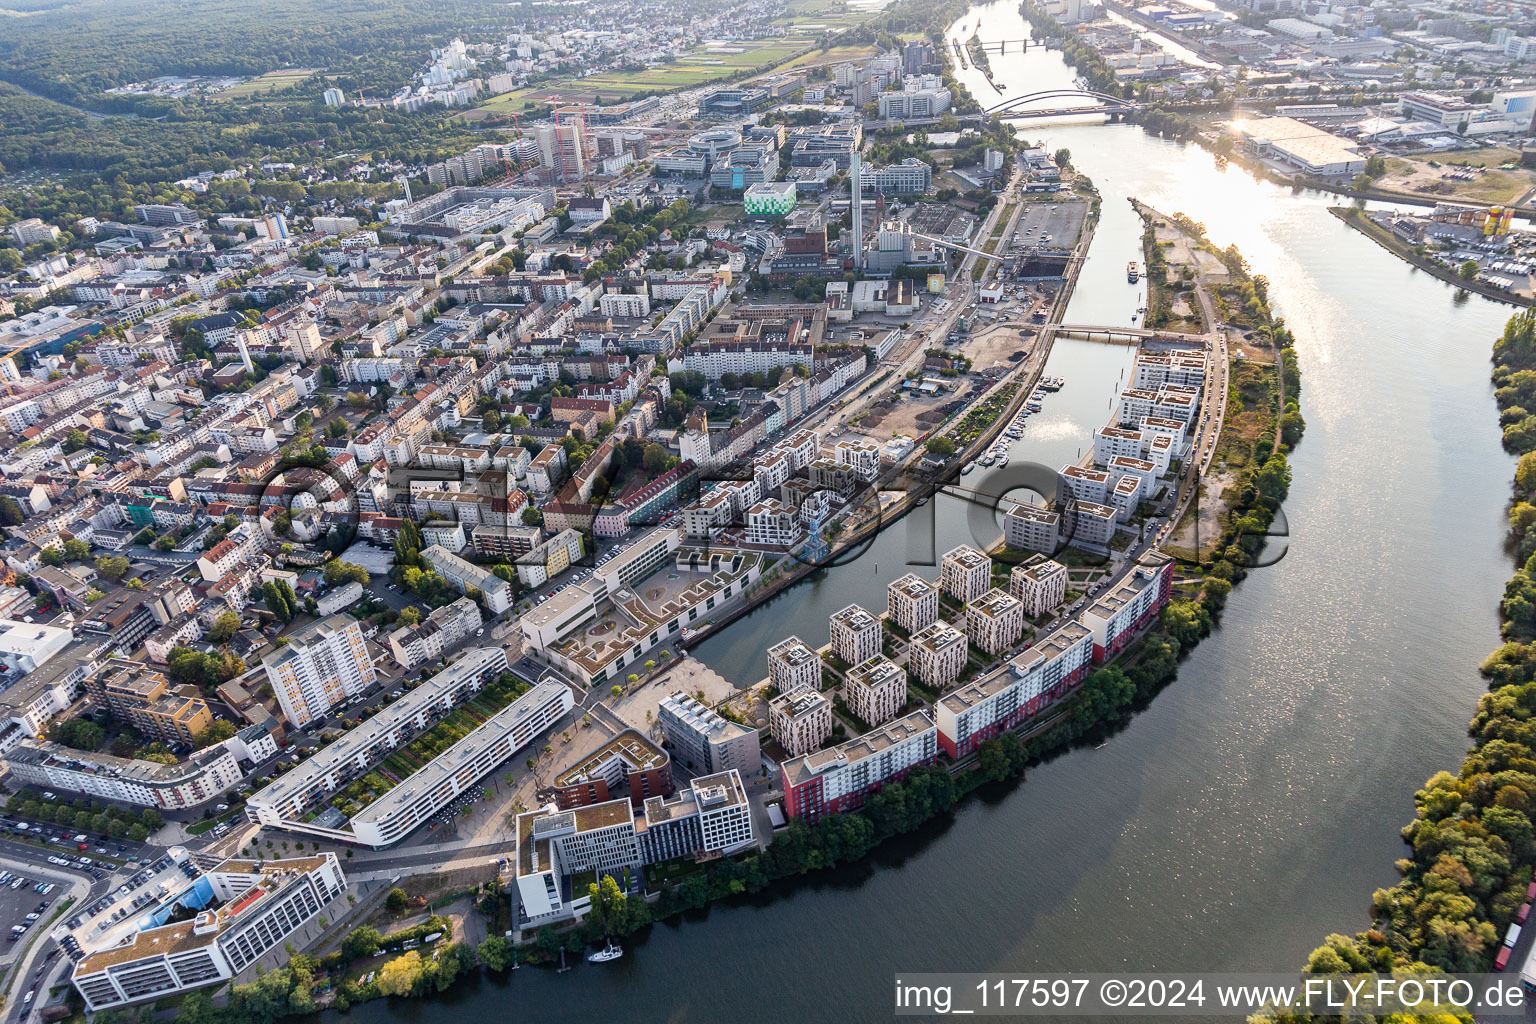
(21, 905)
(1056, 224)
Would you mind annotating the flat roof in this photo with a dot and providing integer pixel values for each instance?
(637, 752)
(855, 750)
(302, 776)
(466, 750)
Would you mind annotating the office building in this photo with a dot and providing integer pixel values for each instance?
(321, 666)
(710, 817)
(552, 845)
(220, 925)
(705, 741)
(770, 199)
(26, 646)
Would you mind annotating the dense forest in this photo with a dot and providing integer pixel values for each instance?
(72, 52)
(75, 50)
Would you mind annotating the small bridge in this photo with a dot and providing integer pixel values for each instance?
(1001, 45)
(1112, 333)
(1011, 106)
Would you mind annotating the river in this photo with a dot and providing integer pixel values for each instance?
(1255, 805)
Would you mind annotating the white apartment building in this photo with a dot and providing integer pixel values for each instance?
(995, 621)
(875, 690)
(862, 456)
(1091, 525)
(1120, 613)
(965, 574)
(937, 654)
(496, 591)
(1126, 495)
(793, 666)
(319, 668)
(618, 304)
(1083, 484)
(1110, 442)
(442, 630)
(262, 903)
(855, 635)
(912, 602)
(1031, 527)
(800, 721)
(1156, 370)
(771, 523)
(206, 774)
(1040, 588)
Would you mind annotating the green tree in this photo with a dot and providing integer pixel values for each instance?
(224, 627)
(1468, 270)
(941, 446)
(608, 905)
(395, 900)
(361, 942)
(113, 567)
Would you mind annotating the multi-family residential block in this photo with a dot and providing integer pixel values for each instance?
(965, 574)
(800, 721)
(1041, 587)
(855, 635)
(995, 621)
(875, 690)
(793, 666)
(912, 602)
(937, 654)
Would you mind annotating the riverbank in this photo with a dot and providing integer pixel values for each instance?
(1357, 219)
(1473, 840)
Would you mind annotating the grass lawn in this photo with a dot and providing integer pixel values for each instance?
(818, 15)
(696, 67)
(835, 55)
(270, 80)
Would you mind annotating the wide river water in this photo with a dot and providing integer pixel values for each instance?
(1255, 806)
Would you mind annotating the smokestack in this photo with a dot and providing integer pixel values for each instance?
(856, 179)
